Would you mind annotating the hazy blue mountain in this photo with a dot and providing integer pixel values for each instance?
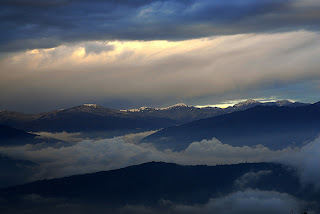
(148, 183)
(273, 126)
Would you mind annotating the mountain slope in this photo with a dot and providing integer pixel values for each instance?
(91, 117)
(12, 136)
(18, 120)
(15, 137)
(273, 126)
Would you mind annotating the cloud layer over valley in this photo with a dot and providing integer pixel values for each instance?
(113, 153)
(89, 156)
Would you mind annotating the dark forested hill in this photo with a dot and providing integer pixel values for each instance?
(150, 182)
(155, 185)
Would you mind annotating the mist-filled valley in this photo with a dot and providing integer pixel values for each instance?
(104, 163)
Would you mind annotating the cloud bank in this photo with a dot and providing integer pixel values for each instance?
(106, 154)
(62, 136)
(307, 162)
(211, 69)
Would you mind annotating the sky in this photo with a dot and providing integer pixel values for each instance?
(130, 53)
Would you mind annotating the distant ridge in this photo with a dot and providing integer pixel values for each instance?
(249, 102)
(94, 117)
(144, 108)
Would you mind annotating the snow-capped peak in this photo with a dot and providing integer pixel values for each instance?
(283, 102)
(179, 105)
(144, 108)
(91, 105)
(174, 106)
(247, 102)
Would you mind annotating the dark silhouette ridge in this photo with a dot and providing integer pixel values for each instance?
(150, 182)
(14, 137)
(273, 126)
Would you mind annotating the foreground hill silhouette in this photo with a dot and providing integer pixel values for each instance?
(155, 185)
(150, 182)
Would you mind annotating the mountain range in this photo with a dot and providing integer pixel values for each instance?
(183, 113)
(92, 117)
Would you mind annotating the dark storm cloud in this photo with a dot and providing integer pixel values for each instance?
(33, 24)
